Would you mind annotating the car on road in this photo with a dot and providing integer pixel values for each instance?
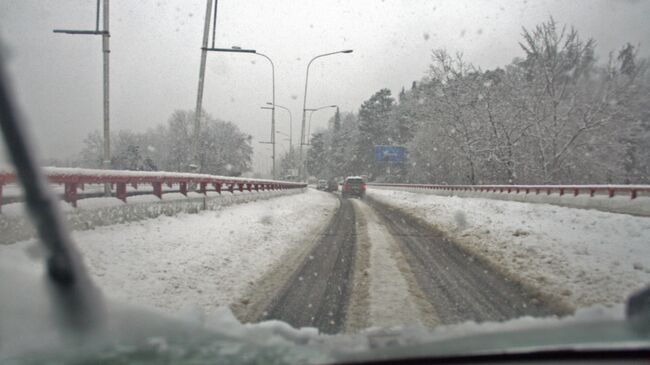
(322, 185)
(332, 186)
(354, 186)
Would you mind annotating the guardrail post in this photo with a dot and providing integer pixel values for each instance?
(203, 188)
(257, 187)
(576, 191)
(217, 187)
(632, 193)
(1, 185)
(121, 191)
(231, 188)
(591, 192)
(70, 193)
(241, 187)
(611, 192)
(248, 187)
(157, 189)
(183, 188)
(561, 191)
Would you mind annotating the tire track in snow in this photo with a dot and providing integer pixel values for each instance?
(459, 286)
(317, 294)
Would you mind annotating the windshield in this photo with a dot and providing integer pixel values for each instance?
(322, 179)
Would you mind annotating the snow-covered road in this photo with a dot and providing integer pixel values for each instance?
(375, 266)
(203, 260)
(311, 260)
(580, 257)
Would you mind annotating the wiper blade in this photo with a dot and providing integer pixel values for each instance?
(73, 291)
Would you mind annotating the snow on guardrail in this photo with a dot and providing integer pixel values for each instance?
(627, 199)
(74, 179)
(611, 190)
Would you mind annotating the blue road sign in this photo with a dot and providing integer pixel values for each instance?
(391, 154)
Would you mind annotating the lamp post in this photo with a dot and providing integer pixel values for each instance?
(304, 105)
(272, 110)
(199, 98)
(311, 114)
(235, 49)
(290, 124)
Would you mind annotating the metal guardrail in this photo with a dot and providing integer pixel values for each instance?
(74, 179)
(610, 190)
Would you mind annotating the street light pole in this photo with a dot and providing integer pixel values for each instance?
(290, 125)
(272, 110)
(235, 49)
(199, 94)
(304, 106)
(312, 114)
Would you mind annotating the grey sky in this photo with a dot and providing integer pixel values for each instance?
(155, 55)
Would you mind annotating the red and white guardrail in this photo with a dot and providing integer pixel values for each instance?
(74, 179)
(611, 190)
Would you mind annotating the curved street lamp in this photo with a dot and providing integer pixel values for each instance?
(237, 49)
(310, 115)
(272, 109)
(304, 104)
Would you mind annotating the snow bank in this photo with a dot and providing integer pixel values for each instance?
(202, 261)
(600, 201)
(581, 257)
(96, 212)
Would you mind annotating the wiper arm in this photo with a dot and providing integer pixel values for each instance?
(73, 291)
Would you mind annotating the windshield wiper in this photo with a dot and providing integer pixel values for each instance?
(73, 292)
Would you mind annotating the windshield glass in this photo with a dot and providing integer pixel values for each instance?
(323, 179)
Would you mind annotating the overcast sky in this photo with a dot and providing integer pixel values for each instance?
(155, 55)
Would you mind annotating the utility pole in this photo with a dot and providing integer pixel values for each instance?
(199, 95)
(106, 155)
(107, 129)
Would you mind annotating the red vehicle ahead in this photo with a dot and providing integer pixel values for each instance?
(354, 186)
